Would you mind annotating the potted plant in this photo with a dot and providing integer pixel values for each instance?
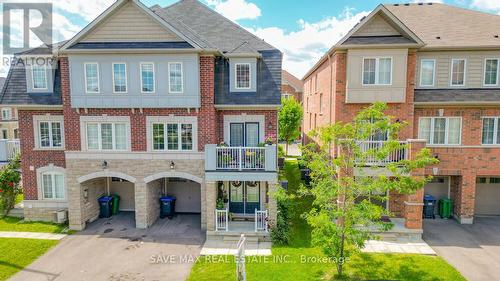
(220, 204)
(269, 141)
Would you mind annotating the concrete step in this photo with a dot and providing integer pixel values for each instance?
(236, 238)
(230, 236)
(17, 213)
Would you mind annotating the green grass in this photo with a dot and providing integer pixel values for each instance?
(16, 224)
(19, 198)
(16, 254)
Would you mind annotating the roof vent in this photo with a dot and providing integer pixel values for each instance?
(430, 4)
(438, 37)
(420, 4)
(496, 36)
(396, 5)
(407, 4)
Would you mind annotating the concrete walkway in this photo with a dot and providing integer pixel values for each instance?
(421, 248)
(226, 248)
(31, 235)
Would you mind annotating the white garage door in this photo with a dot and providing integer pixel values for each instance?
(438, 188)
(488, 196)
(188, 194)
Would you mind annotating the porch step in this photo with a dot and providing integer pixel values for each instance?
(243, 217)
(236, 238)
(17, 213)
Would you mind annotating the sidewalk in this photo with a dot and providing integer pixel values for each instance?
(31, 235)
(421, 248)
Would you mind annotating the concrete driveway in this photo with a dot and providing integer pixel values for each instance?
(112, 249)
(472, 249)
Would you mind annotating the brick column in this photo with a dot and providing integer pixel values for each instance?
(467, 197)
(211, 200)
(75, 204)
(203, 190)
(413, 204)
(141, 205)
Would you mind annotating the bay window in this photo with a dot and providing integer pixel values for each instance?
(106, 136)
(173, 136)
(491, 126)
(53, 185)
(377, 71)
(440, 130)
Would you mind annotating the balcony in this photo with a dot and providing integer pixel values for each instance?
(374, 161)
(8, 149)
(239, 159)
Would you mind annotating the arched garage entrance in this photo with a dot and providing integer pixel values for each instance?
(186, 188)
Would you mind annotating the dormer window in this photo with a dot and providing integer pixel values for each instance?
(242, 76)
(39, 75)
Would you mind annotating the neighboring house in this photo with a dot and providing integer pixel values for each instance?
(291, 86)
(437, 66)
(9, 128)
(137, 103)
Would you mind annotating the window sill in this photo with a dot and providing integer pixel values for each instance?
(49, 149)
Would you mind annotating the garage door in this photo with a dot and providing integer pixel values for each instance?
(438, 188)
(188, 194)
(488, 196)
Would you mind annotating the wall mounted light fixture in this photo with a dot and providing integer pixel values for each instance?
(172, 165)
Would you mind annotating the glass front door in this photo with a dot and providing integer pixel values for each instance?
(244, 197)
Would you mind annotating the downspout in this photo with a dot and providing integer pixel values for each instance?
(331, 86)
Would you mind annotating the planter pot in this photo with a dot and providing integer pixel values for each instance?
(281, 162)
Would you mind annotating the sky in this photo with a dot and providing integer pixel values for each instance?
(302, 29)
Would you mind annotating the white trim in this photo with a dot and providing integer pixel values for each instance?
(37, 119)
(154, 77)
(7, 109)
(105, 174)
(173, 174)
(243, 118)
(113, 77)
(53, 170)
(451, 72)
(115, 155)
(45, 76)
(377, 69)
(182, 78)
(85, 120)
(85, 76)
(446, 135)
(236, 76)
(484, 72)
(496, 120)
(433, 72)
(179, 120)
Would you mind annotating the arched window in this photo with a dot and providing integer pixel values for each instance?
(53, 185)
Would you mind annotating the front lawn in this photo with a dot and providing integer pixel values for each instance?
(16, 254)
(299, 261)
(17, 224)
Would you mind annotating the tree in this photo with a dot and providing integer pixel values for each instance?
(9, 185)
(344, 212)
(289, 119)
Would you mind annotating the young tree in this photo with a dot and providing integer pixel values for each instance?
(9, 185)
(289, 119)
(344, 213)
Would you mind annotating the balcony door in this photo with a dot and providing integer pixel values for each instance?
(244, 197)
(244, 134)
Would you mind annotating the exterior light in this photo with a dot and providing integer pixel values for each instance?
(270, 125)
(172, 165)
(104, 164)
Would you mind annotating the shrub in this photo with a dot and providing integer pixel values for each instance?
(281, 151)
(280, 234)
(9, 185)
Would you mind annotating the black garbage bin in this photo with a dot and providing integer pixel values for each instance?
(429, 207)
(105, 206)
(167, 206)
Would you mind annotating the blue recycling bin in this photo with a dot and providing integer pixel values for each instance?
(105, 206)
(167, 206)
(429, 207)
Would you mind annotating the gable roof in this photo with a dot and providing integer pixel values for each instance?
(456, 27)
(290, 79)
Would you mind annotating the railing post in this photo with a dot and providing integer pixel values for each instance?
(227, 220)
(240, 159)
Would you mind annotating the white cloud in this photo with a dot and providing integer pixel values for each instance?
(303, 48)
(88, 9)
(235, 9)
(490, 5)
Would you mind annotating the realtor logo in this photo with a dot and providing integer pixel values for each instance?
(15, 13)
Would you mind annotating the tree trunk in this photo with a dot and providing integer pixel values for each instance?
(286, 149)
(340, 263)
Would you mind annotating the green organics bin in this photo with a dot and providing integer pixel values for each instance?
(116, 204)
(445, 208)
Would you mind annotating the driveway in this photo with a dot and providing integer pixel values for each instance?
(472, 249)
(112, 249)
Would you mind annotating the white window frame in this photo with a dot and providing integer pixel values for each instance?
(249, 76)
(495, 130)
(53, 182)
(498, 72)
(165, 120)
(154, 77)
(9, 115)
(51, 170)
(113, 75)
(377, 68)
(433, 72)
(451, 72)
(170, 81)
(51, 141)
(45, 77)
(179, 137)
(98, 78)
(447, 126)
(113, 136)
(320, 103)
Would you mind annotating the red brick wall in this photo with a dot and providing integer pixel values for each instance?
(34, 158)
(207, 117)
(271, 118)
(287, 89)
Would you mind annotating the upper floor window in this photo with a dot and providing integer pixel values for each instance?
(173, 136)
(119, 77)
(491, 130)
(6, 114)
(39, 75)
(457, 72)
(242, 76)
(427, 72)
(321, 103)
(147, 77)
(491, 72)
(175, 77)
(53, 185)
(50, 134)
(440, 130)
(92, 77)
(106, 136)
(377, 71)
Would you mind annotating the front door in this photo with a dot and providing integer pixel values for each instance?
(244, 134)
(244, 197)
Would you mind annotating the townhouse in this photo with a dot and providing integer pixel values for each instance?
(145, 102)
(291, 86)
(437, 66)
